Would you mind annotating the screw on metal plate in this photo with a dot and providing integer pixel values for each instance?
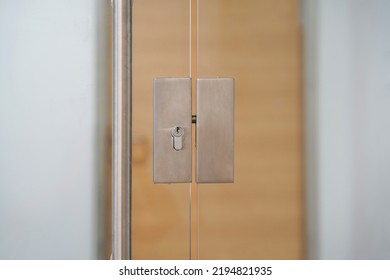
(177, 133)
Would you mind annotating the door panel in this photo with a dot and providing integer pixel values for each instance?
(160, 49)
(257, 42)
(260, 215)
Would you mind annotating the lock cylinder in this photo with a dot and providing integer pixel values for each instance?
(177, 137)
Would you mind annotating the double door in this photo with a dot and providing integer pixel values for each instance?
(260, 215)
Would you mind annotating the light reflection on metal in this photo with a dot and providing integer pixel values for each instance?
(122, 146)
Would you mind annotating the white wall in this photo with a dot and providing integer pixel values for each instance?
(347, 62)
(51, 127)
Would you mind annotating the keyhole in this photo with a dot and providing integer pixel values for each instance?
(177, 137)
(177, 131)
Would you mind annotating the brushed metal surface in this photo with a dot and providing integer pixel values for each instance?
(122, 128)
(215, 131)
(172, 107)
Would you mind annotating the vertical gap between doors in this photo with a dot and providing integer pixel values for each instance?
(194, 191)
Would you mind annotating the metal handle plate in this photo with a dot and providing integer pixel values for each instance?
(172, 130)
(215, 131)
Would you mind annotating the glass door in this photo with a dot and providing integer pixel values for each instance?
(161, 48)
(260, 215)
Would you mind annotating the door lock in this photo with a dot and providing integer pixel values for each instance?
(177, 137)
(172, 152)
(214, 121)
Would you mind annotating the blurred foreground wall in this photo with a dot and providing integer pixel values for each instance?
(51, 128)
(347, 61)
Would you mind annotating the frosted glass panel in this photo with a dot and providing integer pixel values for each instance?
(53, 87)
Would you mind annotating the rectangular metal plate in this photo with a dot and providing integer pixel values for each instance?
(172, 107)
(215, 131)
